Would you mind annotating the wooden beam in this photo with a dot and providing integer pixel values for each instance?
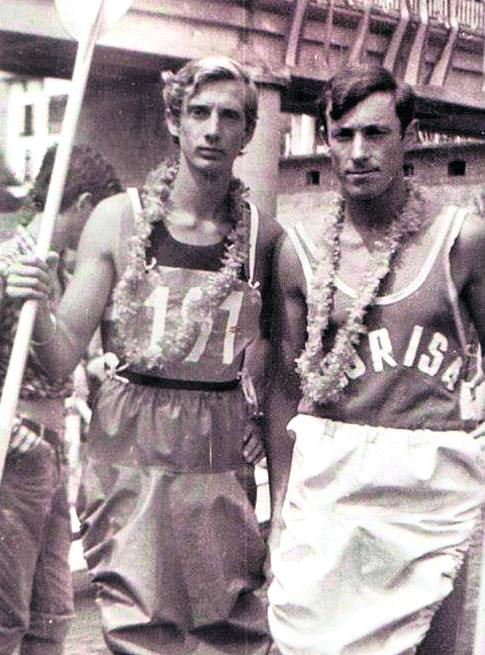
(397, 37)
(441, 68)
(416, 55)
(293, 43)
(328, 32)
(483, 62)
(358, 47)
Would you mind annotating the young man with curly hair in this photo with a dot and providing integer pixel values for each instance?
(178, 276)
(35, 581)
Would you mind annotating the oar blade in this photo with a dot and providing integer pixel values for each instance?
(76, 17)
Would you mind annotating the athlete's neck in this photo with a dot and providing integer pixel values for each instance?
(201, 195)
(373, 215)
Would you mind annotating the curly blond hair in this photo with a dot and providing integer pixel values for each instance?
(188, 80)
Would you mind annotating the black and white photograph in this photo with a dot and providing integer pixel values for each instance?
(242, 326)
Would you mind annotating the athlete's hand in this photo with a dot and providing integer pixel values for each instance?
(253, 446)
(29, 277)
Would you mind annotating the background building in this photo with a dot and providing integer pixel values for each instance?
(32, 110)
(292, 47)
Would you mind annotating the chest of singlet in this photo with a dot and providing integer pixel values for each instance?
(177, 270)
(410, 364)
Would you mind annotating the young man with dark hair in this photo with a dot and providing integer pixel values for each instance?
(377, 301)
(35, 580)
(179, 280)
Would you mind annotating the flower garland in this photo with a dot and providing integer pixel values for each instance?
(325, 375)
(181, 331)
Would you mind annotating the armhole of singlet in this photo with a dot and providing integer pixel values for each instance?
(128, 224)
(134, 197)
(455, 229)
(433, 255)
(302, 248)
(253, 240)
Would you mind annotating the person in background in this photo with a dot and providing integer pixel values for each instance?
(35, 582)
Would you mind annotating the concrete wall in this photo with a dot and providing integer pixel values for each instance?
(258, 168)
(125, 122)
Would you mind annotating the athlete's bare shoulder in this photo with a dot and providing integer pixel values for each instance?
(288, 270)
(472, 234)
(471, 239)
(269, 232)
(467, 261)
(101, 234)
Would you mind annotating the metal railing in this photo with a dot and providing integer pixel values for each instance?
(432, 138)
(468, 14)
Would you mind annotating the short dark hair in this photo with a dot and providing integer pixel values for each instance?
(89, 171)
(355, 83)
(187, 81)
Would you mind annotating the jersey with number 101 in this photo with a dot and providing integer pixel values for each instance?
(219, 349)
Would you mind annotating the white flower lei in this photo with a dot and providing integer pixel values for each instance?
(324, 375)
(181, 333)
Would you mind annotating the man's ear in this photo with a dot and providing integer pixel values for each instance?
(246, 138)
(84, 202)
(172, 124)
(411, 136)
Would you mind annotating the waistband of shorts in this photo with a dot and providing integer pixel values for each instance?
(332, 429)
(169, 383)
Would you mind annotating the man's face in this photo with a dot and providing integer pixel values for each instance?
(367, 148)
(211, 127)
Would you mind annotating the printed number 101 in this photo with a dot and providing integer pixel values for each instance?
(158, 301)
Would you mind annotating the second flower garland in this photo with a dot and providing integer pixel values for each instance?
(323, 375)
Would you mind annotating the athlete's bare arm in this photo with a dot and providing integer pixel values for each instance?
(270, 232)
(86, 296)
(256, 361)
(287, 342)
(468, 270)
